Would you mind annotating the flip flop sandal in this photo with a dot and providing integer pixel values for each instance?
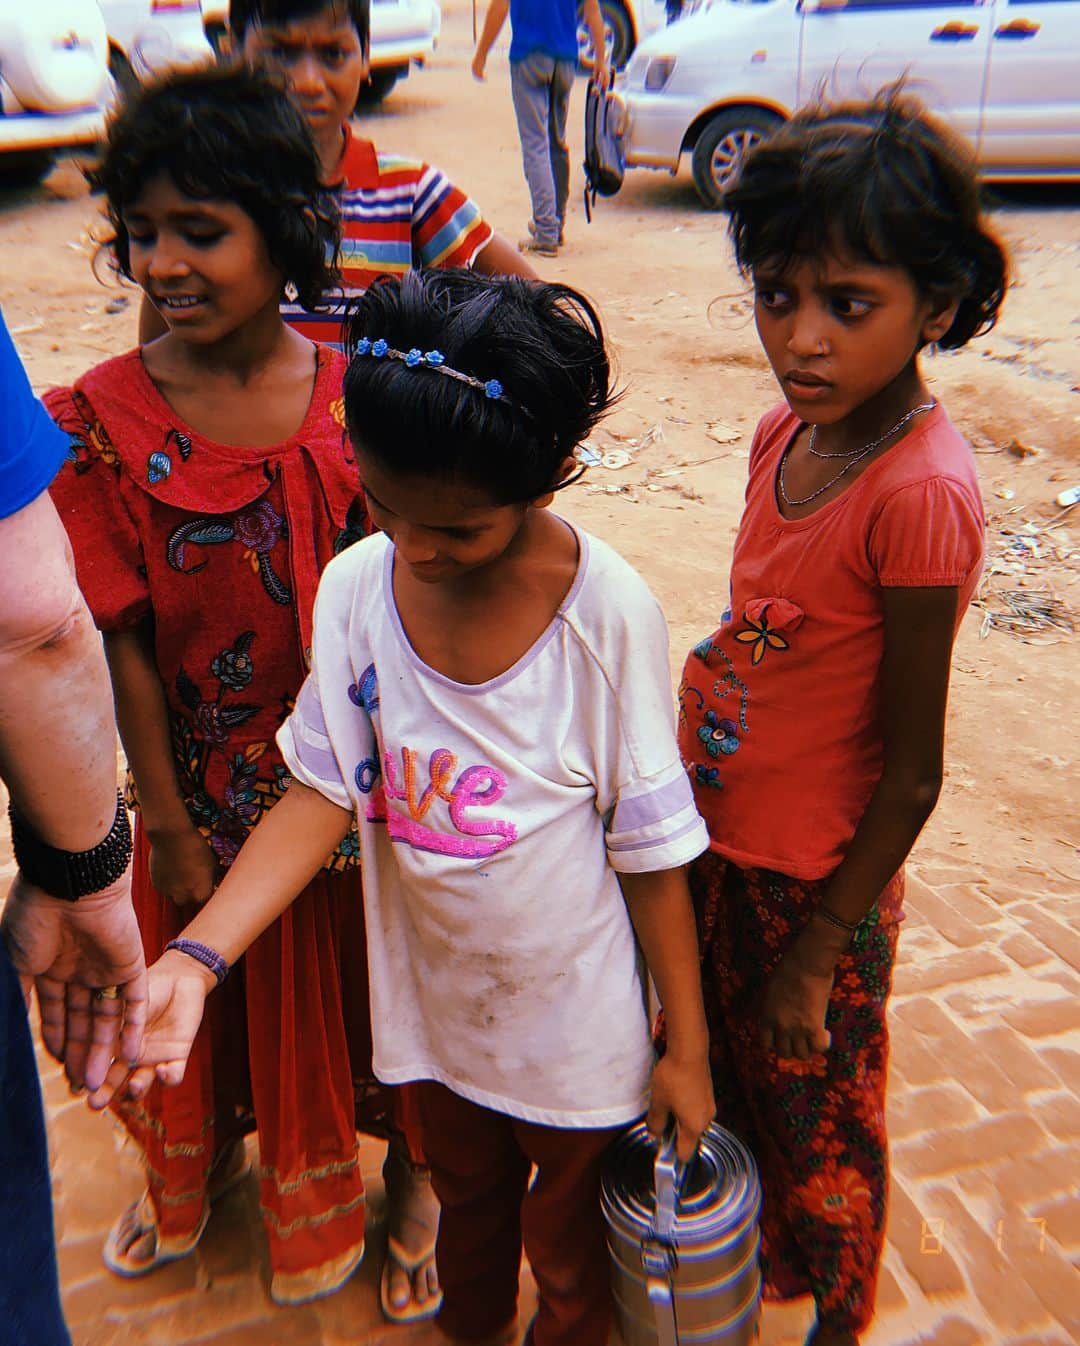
(141, 1214)
(410, 1263)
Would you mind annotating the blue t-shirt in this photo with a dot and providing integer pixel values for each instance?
(548, 26)
(31, 446)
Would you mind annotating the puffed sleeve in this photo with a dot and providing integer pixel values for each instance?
(447, 227)
(928, 533)
(88, 496)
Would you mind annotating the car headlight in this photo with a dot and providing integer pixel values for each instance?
(659, 72)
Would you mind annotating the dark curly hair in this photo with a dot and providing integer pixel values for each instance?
(226, 134)
(543, 343)
(243, 14)
(882, 180)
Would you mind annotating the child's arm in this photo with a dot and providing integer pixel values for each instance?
(660, 908)
(182, 865)
(282, 855)
(919, 631)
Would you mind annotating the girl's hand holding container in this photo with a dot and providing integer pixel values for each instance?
(682, 1089)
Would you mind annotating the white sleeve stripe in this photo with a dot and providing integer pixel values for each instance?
(663, 839)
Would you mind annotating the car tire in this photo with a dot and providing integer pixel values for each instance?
(379, 84)
(720, 148)
(618, 31)
(24, 168)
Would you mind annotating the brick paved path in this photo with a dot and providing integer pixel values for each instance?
(984, 1230)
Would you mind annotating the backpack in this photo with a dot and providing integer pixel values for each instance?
(605, 160)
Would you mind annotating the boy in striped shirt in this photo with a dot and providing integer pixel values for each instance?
(396, 212)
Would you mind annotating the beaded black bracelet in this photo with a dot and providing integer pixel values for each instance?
(830, 919)
(70, 875)
(202, 953)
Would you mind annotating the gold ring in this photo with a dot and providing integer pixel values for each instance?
(107, 993)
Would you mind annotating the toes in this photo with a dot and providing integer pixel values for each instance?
(428, 1278)
(400, 1288)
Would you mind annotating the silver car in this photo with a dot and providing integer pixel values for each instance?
(1006, 73)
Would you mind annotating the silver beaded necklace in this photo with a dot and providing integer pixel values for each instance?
(853, 456)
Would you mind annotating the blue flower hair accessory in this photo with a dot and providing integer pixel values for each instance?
(434, 360)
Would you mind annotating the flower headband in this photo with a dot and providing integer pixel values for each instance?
(382, 350)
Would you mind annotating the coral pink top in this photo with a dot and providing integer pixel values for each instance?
(779, 708)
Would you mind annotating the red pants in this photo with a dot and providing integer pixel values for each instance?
(480, 1165)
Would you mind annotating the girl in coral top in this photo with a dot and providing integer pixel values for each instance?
(812, 721)
(210, 481)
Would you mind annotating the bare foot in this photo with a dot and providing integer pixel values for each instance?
(410, 1286)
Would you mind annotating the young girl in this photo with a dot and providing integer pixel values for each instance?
(469, 702)
(210, 482)
(812, 721)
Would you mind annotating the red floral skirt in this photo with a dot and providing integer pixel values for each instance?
(816, 1128)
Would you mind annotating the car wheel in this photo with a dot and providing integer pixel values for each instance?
(721, 146)
(618, 36)
(23, 168)
(379, 84)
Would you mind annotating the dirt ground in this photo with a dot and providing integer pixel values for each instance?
(696, 382)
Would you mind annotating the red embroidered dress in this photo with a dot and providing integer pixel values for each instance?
(222, 546)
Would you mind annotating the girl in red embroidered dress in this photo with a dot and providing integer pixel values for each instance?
(812, 721)
(210, 481)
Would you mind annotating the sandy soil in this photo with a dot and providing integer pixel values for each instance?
(659, 267)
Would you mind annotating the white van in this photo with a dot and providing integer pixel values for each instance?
(54, 83)
(1006, 73)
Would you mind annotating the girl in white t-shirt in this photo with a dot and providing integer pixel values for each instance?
(489, 699)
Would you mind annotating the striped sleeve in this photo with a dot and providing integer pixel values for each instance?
(306, 747)
(447, 227)
(655, 824)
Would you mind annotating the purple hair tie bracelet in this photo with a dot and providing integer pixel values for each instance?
(202, 953)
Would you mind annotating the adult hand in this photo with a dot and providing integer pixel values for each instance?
(797, 998)
(179, 986)
(69, 949)
(682, 1089)
(182, 866)
(479, 65)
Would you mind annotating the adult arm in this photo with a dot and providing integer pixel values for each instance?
(182, 865)
(282, 855)
(58, 759)
(492, 27)
(594, 21)
(919, 631)
(660, 909)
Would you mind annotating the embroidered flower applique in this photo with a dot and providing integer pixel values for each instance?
(766, 619)
(719, 736)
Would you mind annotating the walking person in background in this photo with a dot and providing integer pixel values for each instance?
(543, 63)
(68, 924)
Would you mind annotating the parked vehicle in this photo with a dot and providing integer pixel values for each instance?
(403, 33)
(1006, 73)
(54, 83)
(148, 36)
(626, 23)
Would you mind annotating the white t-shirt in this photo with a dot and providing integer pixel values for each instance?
(492, 820)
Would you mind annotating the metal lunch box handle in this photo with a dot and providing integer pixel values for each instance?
(659, 1250)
